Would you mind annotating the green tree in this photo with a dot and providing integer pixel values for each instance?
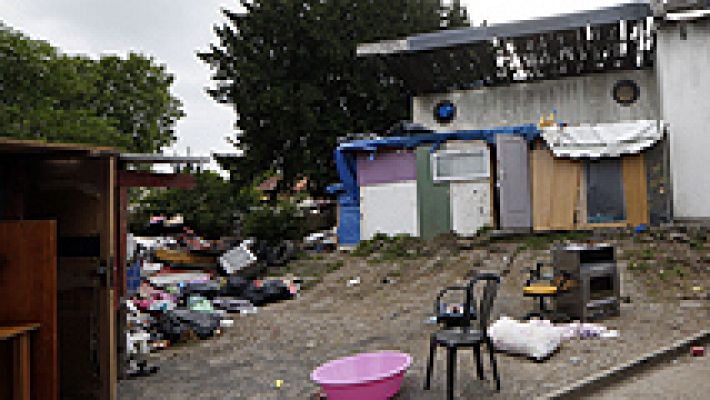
(112, 101)
(456, 15)
(208, 208)
(135, 93)
(289, 68)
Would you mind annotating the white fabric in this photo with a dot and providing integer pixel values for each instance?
(535, 339)
(602, 140)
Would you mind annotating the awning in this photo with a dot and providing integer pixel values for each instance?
(603, 140)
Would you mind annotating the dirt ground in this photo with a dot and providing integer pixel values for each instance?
(288, 340)
(685, 378)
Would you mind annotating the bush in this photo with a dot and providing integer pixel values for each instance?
(274, 223)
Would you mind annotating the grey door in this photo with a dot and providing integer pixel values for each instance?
(513, 182)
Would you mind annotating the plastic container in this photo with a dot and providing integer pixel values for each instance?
(366, 376)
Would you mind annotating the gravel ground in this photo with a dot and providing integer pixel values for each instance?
(287, 340)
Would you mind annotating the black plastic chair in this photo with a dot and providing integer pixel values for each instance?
(466, 336)
(452, 315)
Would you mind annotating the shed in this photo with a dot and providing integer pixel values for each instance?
(592, 176)
(425, 185)
(62, 261)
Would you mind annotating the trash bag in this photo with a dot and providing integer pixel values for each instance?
(255, 295)
(276, 290)
(175, 323)
(171, 327)
(236, 285)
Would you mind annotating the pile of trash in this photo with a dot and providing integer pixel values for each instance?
(185, 288)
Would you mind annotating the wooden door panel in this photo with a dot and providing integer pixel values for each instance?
(28, 293)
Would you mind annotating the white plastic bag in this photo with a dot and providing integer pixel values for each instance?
(535, 339)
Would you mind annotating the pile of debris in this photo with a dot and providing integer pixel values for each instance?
(182, 288)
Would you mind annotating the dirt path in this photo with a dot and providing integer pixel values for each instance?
(286, 341)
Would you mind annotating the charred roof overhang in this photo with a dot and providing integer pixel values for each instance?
(139, 158)
(613, 38)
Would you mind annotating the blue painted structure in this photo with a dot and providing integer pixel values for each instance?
(345, 160)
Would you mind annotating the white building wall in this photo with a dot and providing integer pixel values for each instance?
(389, 208)
(583, 99)
(684, 74)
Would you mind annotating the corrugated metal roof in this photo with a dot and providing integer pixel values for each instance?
(603, 140)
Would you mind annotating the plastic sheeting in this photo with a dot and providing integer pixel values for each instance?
(603, 140)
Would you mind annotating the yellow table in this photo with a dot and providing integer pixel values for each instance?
(20, 335)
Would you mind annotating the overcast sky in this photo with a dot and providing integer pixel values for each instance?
(172, 31)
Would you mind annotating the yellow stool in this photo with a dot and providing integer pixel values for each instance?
(541, 289)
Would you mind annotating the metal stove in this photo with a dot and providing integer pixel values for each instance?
(594, 289)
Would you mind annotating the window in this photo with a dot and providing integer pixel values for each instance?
(626, 92)
(453, 165)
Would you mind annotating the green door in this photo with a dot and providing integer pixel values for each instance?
(433, 198)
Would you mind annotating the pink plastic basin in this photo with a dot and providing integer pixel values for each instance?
(366, 376)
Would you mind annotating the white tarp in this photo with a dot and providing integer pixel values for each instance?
(603, 140)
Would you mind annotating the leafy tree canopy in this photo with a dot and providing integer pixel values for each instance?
(208, 208)
(112, 101)
(290, 70)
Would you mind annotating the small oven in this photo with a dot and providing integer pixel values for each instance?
(594, 288)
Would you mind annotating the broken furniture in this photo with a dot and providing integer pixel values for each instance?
(371, 376)
(593, 269)
(466, 336)
(542, 289)
(19, 336)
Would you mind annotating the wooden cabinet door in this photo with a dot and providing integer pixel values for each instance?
(28, 293)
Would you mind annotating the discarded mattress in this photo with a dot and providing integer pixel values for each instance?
(603, 140)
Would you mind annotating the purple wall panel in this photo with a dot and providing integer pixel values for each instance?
(386, 168)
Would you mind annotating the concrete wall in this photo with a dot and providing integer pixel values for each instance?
(584, 99)
(684, 74)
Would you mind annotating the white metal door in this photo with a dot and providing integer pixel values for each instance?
(389, 208)
(470, 206)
